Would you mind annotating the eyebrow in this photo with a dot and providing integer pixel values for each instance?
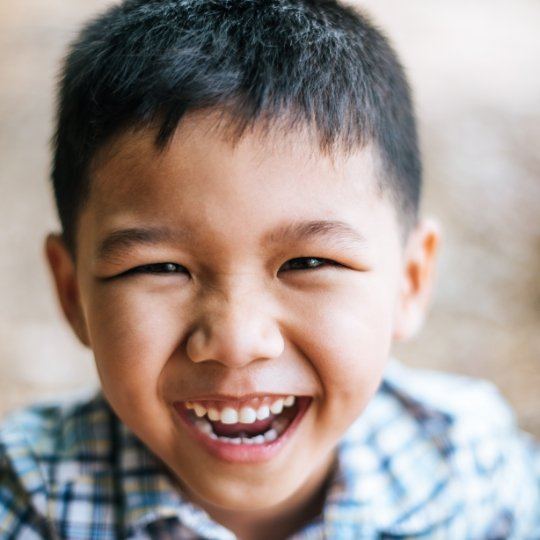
(122, 240)
(305, 230)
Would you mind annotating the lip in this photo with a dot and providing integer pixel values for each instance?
(243, 453)
(236, 399)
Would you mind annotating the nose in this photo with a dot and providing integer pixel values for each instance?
(235, 330)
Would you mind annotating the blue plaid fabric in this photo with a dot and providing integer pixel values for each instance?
(433, 456)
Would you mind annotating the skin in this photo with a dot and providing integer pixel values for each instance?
(236, 317)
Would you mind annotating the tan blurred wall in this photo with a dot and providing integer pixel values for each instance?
(475, 70)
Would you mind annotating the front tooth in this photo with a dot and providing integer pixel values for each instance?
(247, 440)
(229, 415)
(236, 440)
(213, 414)
(263, 412)
(277, 406)
(259, 439)
(271, 435)
(247, 415)
(289, 401)
(200, 411)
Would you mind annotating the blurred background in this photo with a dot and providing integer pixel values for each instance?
(475, 70)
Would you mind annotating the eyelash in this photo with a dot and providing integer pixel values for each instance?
(325, 262)
(157, 268)
(173, 268)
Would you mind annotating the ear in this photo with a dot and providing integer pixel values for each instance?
(417, 279)
(65, 277)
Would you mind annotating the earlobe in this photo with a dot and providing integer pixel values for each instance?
(418, 275)
(64, 274)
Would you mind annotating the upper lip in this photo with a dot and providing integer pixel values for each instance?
(237, 397)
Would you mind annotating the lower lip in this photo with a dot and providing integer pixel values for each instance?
(244, 453)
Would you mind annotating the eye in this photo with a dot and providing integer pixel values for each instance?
(307, 263)
(158, 268)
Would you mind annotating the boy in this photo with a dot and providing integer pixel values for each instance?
(238, 185)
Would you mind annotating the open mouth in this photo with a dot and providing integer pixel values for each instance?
(244, 430)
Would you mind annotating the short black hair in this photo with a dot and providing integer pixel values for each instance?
(316, 63)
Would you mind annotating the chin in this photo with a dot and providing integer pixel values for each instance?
(235, 495)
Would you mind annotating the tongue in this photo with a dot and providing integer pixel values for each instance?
(235, 430)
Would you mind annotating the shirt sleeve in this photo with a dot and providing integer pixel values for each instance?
(18, 518)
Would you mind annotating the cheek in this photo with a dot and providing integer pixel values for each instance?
(349, 338)
(133, 335)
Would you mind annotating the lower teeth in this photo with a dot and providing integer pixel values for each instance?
(278, 427)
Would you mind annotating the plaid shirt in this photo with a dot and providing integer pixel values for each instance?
(433, 456)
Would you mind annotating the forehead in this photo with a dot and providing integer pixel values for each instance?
(206, 138)
(205, 180)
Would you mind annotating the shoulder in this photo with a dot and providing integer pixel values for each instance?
(473, 407)
(449, 457)
(40, 447)
(54, 431)
(445, 412)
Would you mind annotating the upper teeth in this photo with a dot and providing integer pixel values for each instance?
(244, 414)
(229, 415)
(277, 406)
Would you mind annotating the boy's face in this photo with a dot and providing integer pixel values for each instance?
(239, 314)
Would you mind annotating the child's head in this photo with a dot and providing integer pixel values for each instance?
(238, 185)
(290, 65)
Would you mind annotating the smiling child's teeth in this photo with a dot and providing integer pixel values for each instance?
(200, 411)
(229, 415)
(270, 435)
(289, 401)
(277, 406)
(263, 412)
(247, 415)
